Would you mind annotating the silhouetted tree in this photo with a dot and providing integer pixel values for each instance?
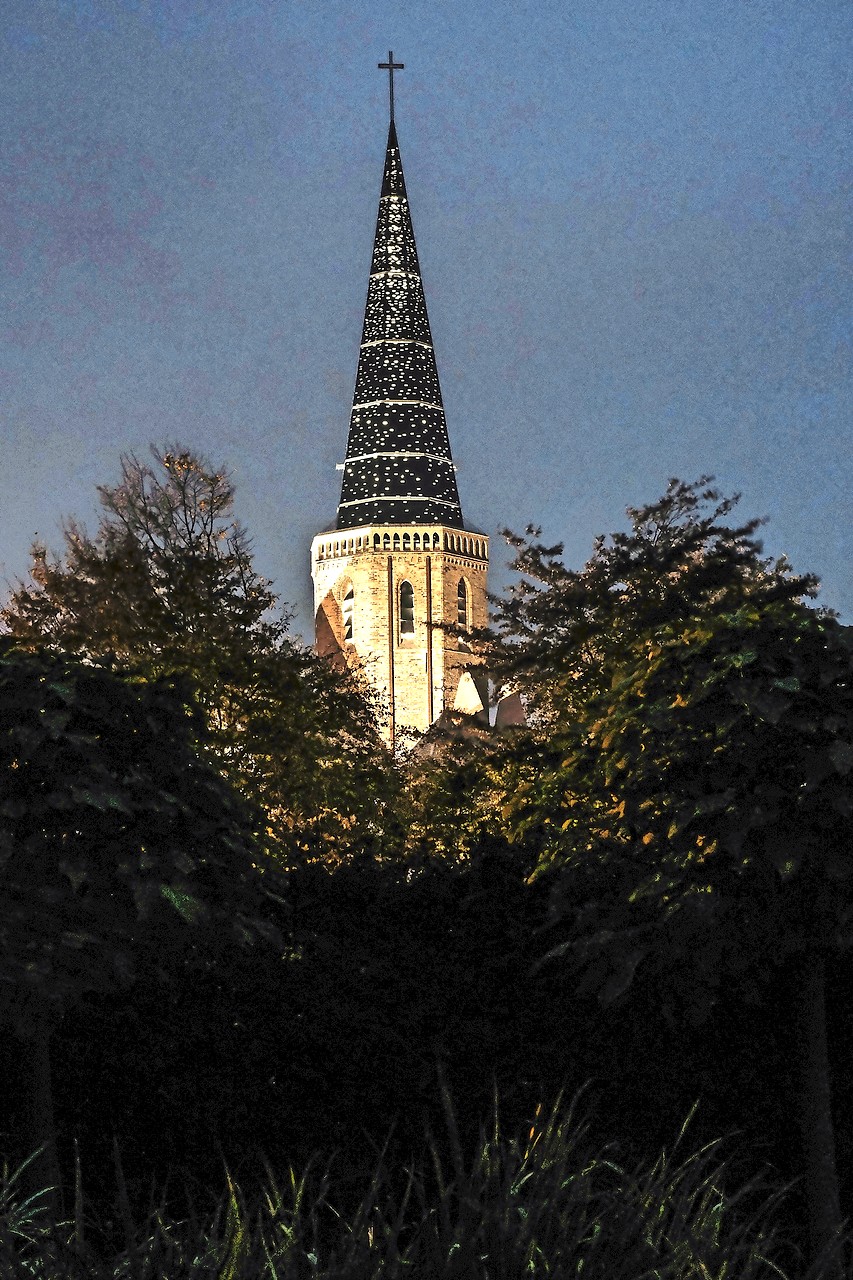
(118, 843)
(167, 584)
(691, 766)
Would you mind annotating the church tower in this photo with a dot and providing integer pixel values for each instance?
(400, 578)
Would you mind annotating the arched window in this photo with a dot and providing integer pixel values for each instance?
(347, 612)
(396, 542)
(462, 605)
(407, 542)
(386, 541)
(376, 541)
(416, 542)
(407, 609)
(435, 541)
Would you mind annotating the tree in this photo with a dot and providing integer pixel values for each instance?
(168, 578)
(166, 585)
(697, 736)
(724, 759)
(118, 845)
(561, 633)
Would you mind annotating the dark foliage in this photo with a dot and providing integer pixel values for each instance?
(585, 903)
(167, 586)
(390, 985)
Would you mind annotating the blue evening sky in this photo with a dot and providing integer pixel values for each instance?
(633, 219)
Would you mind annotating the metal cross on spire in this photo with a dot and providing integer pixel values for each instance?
(391, 66)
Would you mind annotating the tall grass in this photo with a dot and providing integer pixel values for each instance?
(540, 1204)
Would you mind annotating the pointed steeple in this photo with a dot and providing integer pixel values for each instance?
(398, 467)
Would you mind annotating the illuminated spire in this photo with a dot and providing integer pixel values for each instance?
(398, 467)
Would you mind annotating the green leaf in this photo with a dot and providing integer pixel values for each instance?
(77, 940)
(184, 903)
(839, 864)
(786, 856)
(769, 705)
(77, 875)
(841, 755)
(842, 802)
(621, 977)
(67, 692)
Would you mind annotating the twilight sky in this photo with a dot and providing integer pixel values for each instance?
(633, 220)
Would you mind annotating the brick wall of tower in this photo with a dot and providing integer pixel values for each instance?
(403, 667)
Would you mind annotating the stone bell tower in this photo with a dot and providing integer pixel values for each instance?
(399, 579)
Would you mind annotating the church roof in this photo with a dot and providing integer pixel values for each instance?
(398, 467)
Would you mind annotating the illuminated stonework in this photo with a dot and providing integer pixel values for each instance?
(387, 601)
(400, 580)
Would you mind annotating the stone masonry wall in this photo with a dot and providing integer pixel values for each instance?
(361, 559)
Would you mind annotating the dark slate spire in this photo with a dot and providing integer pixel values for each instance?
(398, 467)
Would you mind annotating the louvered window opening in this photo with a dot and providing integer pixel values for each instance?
(407, 609)
(462, 605)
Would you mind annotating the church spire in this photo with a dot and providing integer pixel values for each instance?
(396, 603)
(398, 467)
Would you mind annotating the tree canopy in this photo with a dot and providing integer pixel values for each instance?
(561, 633)
(113, 830)
(686, 784)
(669, 834)
(167, 585)
(120, 848)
